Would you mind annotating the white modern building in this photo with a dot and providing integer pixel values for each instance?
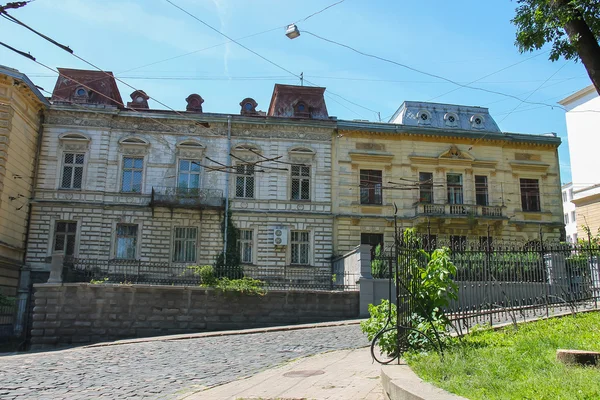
(570, 216)
(583, 124)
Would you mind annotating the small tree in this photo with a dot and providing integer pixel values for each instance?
(228, 262)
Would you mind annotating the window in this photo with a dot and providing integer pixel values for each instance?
(133, 168)
(574, 238)
(429, 242)
(458, 243)
(300, 245)
(484, 241)
(370, 186)
(570, 194)
(185, 244)
(372, 239)
(425, 187)
(573, 219)
(126, 241)
(64, 237)
(72, 171)
(481, 190)
(455, 188)
(189, 174)
(530, 195)
(566, 218)
(300, 182)
(246, 245)
(244, 181)
(564, 197)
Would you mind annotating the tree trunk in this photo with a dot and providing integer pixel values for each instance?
(581, 36)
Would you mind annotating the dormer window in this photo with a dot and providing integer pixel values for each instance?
(451, 120)
(301, 110)
(477, 121)
(248, 106)
(81, 95)
(423, 117)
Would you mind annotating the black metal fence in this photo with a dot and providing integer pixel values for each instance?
(157, 273)
(504, 281)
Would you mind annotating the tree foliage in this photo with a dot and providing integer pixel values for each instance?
(572, 27)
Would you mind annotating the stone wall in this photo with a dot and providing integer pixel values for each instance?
(82, 313)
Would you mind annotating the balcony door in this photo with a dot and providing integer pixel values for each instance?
(454, 183)
(189, 174)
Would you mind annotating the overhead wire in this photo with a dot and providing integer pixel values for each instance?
(532, 93)
(252, 51)
(421, 71)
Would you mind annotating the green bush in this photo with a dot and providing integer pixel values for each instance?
(209, 278)
(378, 317)
(206, 274)
(378, 267)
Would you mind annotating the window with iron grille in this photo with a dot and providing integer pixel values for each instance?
(370, 186)
(246, 245)
(454, 184)
(481, 190)
(530, 194)
(458, 243)
(244, 181)
(185, 244)
(426, 187)
(65, 233)
(189, 174)
(126, 241)
(133, 168)
(300, 182)
(300, 245)
(72, 171)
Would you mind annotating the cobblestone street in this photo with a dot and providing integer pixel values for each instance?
(162, 369)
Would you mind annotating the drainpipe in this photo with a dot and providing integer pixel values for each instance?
(227, 189)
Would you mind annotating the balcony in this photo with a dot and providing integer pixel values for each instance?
(177, 197)
(466, 210)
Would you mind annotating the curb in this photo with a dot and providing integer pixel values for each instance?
(187, 336)
(399, 382)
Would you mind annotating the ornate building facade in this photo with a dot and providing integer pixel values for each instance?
(448, 171)
(128, 182)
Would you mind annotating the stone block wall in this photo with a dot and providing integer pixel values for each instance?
(67, 314)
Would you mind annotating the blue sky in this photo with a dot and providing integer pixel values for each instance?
(462, 40)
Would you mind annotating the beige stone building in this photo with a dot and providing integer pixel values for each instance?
(449, 171)
(21, 105)
(152, 186)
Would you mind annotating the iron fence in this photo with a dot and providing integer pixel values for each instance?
(502, 281)
(162, 273)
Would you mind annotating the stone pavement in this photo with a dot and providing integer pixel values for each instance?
(344, 374)
(162, 369)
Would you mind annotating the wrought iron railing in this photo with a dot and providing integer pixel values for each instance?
(159, 273)
(186, 197)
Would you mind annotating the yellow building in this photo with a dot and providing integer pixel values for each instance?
(21, 104)
(449, 171)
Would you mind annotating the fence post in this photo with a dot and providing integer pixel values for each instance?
(547, 280)
(365, 280)
(487, 272)
(56, 268)
(594, 267)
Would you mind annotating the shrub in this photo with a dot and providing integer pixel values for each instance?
(378, 267)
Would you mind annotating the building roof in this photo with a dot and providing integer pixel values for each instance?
(382, 127)
(440, 115)
(298, 102)
(103, 87)
(15, 74)
(577, 95)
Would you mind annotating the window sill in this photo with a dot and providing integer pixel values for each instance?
(69, 189)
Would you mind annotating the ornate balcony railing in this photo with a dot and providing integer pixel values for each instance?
(459, 210)
(186, 197)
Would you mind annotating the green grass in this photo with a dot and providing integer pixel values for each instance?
(517, 364)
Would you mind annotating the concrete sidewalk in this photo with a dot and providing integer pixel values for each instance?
(345, 374)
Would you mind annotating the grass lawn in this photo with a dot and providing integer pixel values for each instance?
(517, 364)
